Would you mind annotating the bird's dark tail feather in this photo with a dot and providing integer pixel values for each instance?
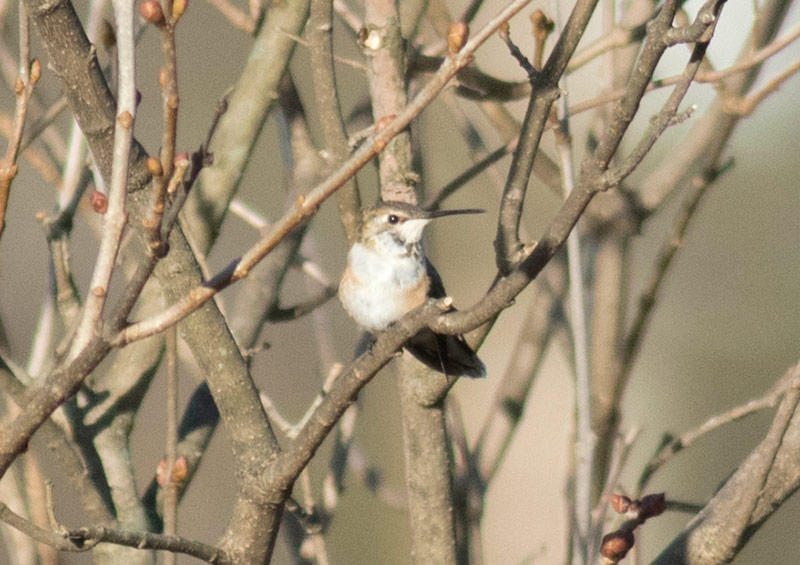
(448, 354)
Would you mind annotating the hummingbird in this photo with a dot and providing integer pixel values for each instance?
(388, 275)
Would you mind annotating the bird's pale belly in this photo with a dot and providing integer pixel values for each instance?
(376, 294)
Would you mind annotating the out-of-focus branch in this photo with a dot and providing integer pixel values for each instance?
(259, 293)
(251, 101)
(237, 17)
(330, 113)
(585, 441)
(700, 158)
(749, 496)
(674, 446)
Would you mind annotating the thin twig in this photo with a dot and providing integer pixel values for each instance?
(676, 445)
(234, 15)
(306, 206)
(320, 25)
(585, 441)
(29, 72)
(666, 254)
(171, 483)
(115, 217)
(746, 106)
(84, 539)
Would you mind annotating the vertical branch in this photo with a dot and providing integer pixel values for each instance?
(384, 48)
(164, 172)
(115, 217)
(171, 485)
(252, 100)
(584, 445)
(428, 473)
(29, 72)
(320, 34)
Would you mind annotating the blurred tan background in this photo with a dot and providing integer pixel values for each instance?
(726, 328)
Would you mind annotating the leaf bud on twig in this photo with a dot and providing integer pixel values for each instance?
(616, 545)
(151, 12)
(652, 505)
(620, 503)
(179, 8)
(36, 71)
(99, 202)
(457, 37)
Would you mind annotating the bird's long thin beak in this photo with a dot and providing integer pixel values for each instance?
(440, 213)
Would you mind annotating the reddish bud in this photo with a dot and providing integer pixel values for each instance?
(180, 158)
(151, 12)
(620, 503)
(616, 545)
(99, 202)
(457, 37)
(652, 505)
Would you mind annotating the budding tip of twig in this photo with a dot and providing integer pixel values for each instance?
(98, 201)
(707, 18)
(616, 545)
(503, 31)
(542, 25)
(151, 12)
(620, 503)
(179, 8)
(35, 71)
(457, 37)
(652, 505)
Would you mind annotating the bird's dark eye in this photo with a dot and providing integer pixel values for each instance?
(393, 219)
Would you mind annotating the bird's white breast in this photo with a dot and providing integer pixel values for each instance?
(376, 286)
